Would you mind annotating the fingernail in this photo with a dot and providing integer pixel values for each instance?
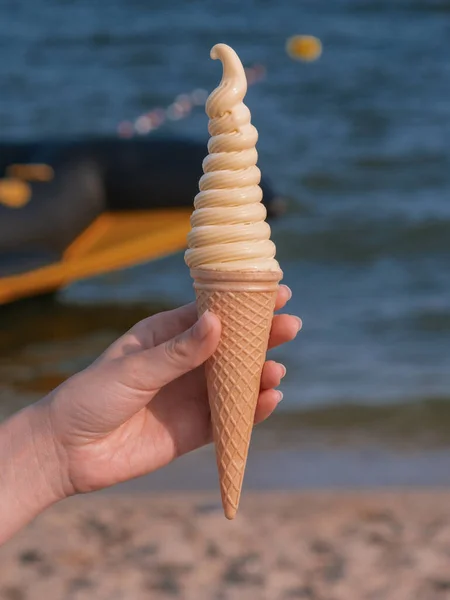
(202, 328)
(280, 396)
(289, 292)
(283, 368)
(299, 321)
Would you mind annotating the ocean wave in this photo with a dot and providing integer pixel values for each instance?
(381, 7)
(356, 240)
(426, 421)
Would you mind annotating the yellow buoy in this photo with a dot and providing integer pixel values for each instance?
(14, 193)
(304, 47)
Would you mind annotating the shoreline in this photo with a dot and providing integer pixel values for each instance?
(311, 545)
(310, 464)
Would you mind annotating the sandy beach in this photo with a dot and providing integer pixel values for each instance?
(318, 545)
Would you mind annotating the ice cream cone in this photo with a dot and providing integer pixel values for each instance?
(244, 302)
(232, 262)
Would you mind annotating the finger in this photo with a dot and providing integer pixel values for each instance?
(267, 403)
(272, 375)
(284, 329)
(153, 331)
(159, 328)
(152, 369)
(283, 297)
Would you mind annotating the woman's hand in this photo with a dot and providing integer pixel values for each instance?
(144, 401)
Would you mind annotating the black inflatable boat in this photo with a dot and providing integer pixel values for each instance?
(70, 210)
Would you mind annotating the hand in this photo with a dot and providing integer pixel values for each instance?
(144, 401)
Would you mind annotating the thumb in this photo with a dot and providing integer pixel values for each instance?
(152, 369)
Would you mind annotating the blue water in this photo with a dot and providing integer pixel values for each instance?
(359, 141)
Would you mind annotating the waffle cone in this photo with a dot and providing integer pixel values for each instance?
(244, 302)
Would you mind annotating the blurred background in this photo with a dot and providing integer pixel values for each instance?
(357, 141)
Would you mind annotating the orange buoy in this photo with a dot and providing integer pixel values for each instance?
(14, 193)
(304, 47)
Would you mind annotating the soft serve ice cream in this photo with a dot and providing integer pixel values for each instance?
(229, 232)
(236, 276)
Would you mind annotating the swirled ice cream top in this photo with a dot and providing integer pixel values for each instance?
(229, 232)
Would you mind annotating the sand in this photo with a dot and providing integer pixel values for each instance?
(321, 545)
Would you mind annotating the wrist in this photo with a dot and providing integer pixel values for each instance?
(31, 474)
(48, 459)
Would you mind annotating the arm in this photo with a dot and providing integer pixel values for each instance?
(30, 478)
